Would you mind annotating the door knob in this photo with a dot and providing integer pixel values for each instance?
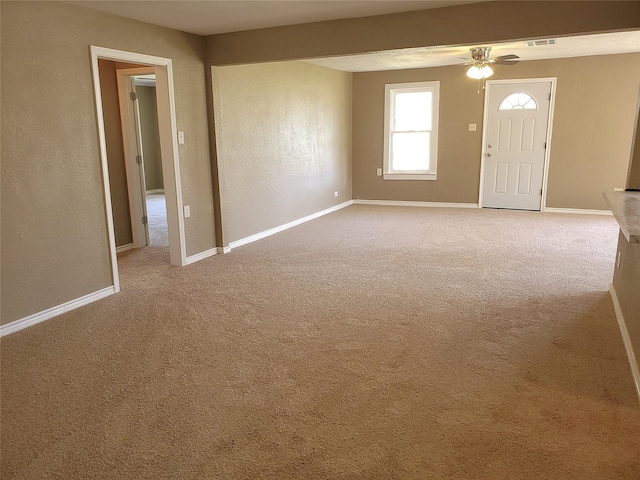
(490, 146)
(489, 154)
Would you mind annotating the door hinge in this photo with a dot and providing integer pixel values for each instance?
(540, 191)
(145, 220)
(549, 97)
(139, 158)
(133, 96)
(545, 145)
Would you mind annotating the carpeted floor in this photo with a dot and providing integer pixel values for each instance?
(157, 215)
(371, 343)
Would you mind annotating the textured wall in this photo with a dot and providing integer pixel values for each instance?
(458, 149)
(150, 137)
(283, 136)
(115, 153)
(54, 231)
(592, 130)
(456, 25)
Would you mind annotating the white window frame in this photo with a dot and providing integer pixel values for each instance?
(390, 91)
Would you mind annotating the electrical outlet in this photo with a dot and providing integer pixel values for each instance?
(335, 194)
(379, 172)
(618, 189)
(472, 127)
(187, 211)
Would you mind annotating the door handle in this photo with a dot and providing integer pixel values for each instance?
(489, 154)
(490, 146)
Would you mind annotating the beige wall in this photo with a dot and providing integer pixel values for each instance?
(593, 122)
(150, 137)
(54, 231)
(115, 153)
(633, 180)
(283, 137)
(626, 282)
(457, 25)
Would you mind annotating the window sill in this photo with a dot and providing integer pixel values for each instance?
(409, 176)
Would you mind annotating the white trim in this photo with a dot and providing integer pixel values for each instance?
(169, 149)
(271, 231)
(222, 250)
(55, 311)
(401, 203)
(201, 256)
(547, 152)
(577, 211)
(171, 164)
(409, 176)
(633, 363)
(155, 190)
(106, 189)
(124, 248)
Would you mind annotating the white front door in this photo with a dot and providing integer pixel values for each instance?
(515, 141)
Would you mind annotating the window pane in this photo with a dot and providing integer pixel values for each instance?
(410, 151)
(413, 111)
(518, 101)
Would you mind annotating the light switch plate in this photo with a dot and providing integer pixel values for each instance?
(472, 127)
(379, 172)
(187, 211)
(181, 138)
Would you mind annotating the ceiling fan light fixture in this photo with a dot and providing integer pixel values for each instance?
(478, 72)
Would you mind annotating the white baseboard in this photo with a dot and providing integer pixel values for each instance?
(54, 311)
(578, 211)
(402, 203)
(633, 363)
(222, 250)
(155, 190)
(124, 248)
(201, 256)
(271, 231)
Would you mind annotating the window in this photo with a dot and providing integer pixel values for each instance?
(518, 101)
(411, 131)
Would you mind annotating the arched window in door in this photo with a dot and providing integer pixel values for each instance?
(518, 101)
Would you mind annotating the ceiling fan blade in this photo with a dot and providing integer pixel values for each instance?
(507, 62)
(511, 56)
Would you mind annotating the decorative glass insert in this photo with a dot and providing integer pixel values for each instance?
(518, 101)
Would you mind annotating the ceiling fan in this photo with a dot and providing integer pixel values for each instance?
(479, 66)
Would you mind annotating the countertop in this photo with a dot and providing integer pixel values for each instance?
(625, 207)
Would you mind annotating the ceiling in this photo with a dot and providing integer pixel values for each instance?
(213, 17)
(578, 46)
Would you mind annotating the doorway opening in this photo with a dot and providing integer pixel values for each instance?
(137, 92)
(159, 70)
(155, 202)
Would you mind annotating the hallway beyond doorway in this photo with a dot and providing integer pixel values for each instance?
(157, 214)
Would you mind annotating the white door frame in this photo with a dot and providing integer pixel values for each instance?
(485, 117)
(168, 148)
(132, 142)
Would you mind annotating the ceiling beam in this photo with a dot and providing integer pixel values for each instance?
(471, 24)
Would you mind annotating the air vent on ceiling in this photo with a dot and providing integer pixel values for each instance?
(541, 42)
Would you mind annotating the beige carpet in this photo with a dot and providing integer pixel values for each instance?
(157, 215)
(372, 343)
